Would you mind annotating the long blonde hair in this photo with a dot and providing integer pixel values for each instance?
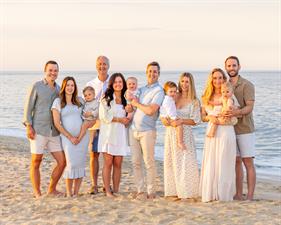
(191, 88)
(209, 89)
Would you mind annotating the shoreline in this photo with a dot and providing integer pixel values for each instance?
(19, 207)
(260, 175)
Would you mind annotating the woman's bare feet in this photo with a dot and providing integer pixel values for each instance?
(37, 195)
(109, 194)
(56, 193)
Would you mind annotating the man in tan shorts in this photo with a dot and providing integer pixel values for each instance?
(40, 129)
(244, 91)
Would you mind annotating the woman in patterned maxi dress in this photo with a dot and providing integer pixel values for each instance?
(181, 175)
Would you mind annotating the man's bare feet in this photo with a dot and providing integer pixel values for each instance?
(250, 198)
(238, 197)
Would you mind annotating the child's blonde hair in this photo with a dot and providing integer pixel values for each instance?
(132, 78)
(89, 88)
(227, 85)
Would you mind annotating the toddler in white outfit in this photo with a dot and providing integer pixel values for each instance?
(168, 110)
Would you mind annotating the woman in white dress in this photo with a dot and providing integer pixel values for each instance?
(113, 141)
(181, 174)
(217, 180)
(67, 111)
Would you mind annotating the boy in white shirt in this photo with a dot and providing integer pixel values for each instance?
(168, 110)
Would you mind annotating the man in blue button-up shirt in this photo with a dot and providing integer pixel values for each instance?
(143, 130)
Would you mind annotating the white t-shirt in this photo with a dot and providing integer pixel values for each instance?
(99, 86)
(168, 108)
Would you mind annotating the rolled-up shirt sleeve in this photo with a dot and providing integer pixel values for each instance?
(29, 106)
(105, 112)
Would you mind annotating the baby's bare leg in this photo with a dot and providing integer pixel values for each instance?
(212, 131)
(83, 130)
(179, 130)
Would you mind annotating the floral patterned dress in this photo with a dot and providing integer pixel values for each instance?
(181, 174)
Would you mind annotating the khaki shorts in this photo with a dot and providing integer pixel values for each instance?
(246, 145)
(41, 143)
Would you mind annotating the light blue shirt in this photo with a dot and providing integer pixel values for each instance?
(149, 94)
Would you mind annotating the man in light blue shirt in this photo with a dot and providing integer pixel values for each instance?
(142, 135)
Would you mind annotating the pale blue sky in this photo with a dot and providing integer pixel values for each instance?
(189, 35)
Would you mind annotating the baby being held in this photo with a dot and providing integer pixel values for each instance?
(132, 92)
(168, 110)
(225, 103)
(90, 109)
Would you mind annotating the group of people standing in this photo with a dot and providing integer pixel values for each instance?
(57, 119)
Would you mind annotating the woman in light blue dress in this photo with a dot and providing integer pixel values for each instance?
(67, 118)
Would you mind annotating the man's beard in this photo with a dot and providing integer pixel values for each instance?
(232, 75)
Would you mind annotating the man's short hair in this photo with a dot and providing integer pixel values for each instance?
(232, 57)
(153, 64)
(50, 62)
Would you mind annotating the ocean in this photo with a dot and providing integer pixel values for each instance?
(14, 87)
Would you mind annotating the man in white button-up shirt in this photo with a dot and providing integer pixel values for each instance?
(100, 84)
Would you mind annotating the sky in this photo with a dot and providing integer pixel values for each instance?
(180, 35)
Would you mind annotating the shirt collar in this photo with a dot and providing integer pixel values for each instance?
(239, 81)
(46, 82)
(106, 81)
(152, 85)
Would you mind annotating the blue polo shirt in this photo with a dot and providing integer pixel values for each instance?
(149, 94)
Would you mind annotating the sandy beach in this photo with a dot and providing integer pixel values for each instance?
(17, 205)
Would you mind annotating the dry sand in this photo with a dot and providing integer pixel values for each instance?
(18, 206)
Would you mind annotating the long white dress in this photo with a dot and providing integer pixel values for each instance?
(217, 180)
(181, 174)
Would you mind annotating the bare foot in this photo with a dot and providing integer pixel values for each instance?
(37, 195)
(56, 193)
(210, 135)
(109, 194)
(249, 198)
(181, 146)
(151, 196)
(238, 197)
(93, 190)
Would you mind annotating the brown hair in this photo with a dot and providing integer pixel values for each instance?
(191, 89)
(50, 62)
(209, 89)
(153, 64)
(108, 95)
(169, 84)
(232, 57)
(74, 98)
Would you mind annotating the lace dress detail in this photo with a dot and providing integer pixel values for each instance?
(181, 175)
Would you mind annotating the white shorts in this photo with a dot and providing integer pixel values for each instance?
(41, 143)
(246, 145)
